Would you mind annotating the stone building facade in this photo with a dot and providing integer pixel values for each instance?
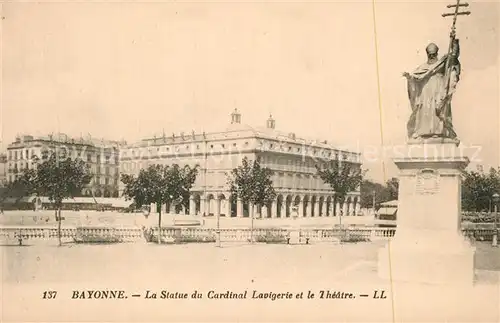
(3, 170)
(291, 159)
(101, 155)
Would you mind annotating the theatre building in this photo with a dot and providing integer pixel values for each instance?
(291, 159)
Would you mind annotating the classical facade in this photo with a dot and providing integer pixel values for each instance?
(3, 170)
(291, 159)
(101, 155)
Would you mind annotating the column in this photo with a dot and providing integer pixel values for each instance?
(212, 206)
(153, 207)
(352, 211)
(274, 209)
(337, 209)
(250, 210)
(344, 209)
(164, 208)
(316, 208)
(263, 211)
(227, 207)
(203, 203)
(358, 207)
(283, 210)
(322, 209)
(300, 209)
(309, 209)
(192, 206)
(239, 208)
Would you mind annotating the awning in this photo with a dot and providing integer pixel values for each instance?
(117, 202)
(387, 211)
(27, 199)
(393, 203)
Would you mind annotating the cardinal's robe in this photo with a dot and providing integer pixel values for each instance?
(431, 107)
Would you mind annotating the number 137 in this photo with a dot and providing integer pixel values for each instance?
(51, 294)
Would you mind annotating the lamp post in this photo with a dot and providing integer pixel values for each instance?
(373, 201)
(252, 211)
(496, 198)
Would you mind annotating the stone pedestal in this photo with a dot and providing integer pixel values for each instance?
(428, 246)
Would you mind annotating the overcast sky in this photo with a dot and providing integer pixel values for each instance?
(127, 70)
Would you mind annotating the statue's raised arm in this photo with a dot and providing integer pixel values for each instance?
(431, 87)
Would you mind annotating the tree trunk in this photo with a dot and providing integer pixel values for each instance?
(341, 206)
(59, 226)
(251, 225)
(159, 224)
(341, 213)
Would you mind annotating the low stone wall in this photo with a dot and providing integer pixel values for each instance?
(480, 234)
(227, 235)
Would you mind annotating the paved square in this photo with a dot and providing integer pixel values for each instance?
(138, 267)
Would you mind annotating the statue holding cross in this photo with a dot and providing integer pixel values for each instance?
(431, 87)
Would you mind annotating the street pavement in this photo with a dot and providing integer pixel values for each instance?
(236, 267)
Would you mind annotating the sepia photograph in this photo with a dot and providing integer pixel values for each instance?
(249, 161)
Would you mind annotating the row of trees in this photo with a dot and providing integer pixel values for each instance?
(372, 193)
(249, 182)
(59, 179)
(478, 188)
(62, 178)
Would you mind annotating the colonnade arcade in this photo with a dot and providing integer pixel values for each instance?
(305, 205)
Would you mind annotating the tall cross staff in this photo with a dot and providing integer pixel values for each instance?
(455, 14)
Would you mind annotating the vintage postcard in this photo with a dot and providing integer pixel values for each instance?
(249, 161)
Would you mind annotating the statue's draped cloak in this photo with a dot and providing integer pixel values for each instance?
(431, 116)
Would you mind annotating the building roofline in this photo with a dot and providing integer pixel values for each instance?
(244, 132)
